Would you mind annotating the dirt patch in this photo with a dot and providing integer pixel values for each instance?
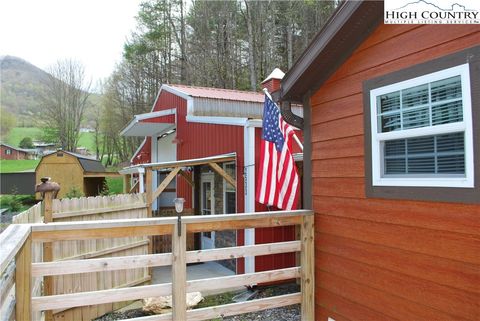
(289, 313)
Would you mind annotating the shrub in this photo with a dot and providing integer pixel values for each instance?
(27, 143)
(74, 192)
(15, 204)
(105, 191)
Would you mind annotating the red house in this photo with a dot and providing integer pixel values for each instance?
(195, 122)
(392, 143)
(14, 153)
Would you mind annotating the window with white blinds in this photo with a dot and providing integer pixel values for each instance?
(422, 131)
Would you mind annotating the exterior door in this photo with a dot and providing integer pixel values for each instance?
(207, 205)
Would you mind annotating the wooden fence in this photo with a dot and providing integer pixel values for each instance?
(18, 249)
(128, 206)
(33, 215)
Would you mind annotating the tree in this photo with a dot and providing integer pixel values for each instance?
(65, 101)
(26, 142)
(7, 122)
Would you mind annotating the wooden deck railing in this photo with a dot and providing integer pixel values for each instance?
(16, 247)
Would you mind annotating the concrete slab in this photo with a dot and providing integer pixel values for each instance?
(163, 274)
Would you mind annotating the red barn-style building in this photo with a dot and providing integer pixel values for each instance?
(188, 122)
(392, 146)
(14, 153)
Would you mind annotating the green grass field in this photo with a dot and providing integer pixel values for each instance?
(11, 166)
(87, 140)
(18, 133)
(115, 185)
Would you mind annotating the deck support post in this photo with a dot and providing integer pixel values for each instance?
(126, 184)
(48, 249)
(23, 281)
(149, 190)
(179, 272)
(149, 198)
(49, 191)
(308, 268)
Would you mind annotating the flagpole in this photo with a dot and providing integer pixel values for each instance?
(299, 143)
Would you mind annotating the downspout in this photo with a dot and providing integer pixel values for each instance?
(289, 116)
(303, 124)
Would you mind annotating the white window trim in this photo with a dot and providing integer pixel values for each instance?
(465, 126)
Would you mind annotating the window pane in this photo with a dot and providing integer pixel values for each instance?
(390, 123)
(447, 113)
(454, 164)
(446, 89)
(395, 147)
(453, 143)
(421, 145)
(416, 118)
(388, 102)
(415, 96)
(395, 166)
(421, 165)
(440, 154)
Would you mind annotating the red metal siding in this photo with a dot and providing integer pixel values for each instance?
(162, 119)
(386, 259)
(195, 140)
(144, 155)
(167, 100)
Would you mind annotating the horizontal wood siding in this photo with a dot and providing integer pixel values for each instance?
(380, 259)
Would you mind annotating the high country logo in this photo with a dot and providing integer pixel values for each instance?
(432, 12)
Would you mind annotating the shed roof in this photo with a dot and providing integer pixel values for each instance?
(89, 164)
(347, 28)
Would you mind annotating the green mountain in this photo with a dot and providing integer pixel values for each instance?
(21, 86)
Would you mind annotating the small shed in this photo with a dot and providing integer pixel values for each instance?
(73, 170)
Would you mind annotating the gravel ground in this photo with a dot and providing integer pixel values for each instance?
(289, 313)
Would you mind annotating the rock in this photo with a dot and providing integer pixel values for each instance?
(163, 304)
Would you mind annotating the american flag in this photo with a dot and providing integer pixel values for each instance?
(278, 178)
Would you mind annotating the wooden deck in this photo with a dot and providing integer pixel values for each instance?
(16, 247)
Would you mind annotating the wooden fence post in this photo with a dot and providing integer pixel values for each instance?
(149, 193)
(49, 191)
(126, 184)
(179, 272)
(149, 190)
(23, 281)
(307, 261)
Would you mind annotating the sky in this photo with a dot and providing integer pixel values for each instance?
(90, 31)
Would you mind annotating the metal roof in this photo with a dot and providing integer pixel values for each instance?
(140, 125)
(219, 93)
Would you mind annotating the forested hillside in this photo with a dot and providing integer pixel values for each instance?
(225, 44)
(21, 86)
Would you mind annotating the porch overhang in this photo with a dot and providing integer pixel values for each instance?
(179, 167)
(150, 124)
(191, 162)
